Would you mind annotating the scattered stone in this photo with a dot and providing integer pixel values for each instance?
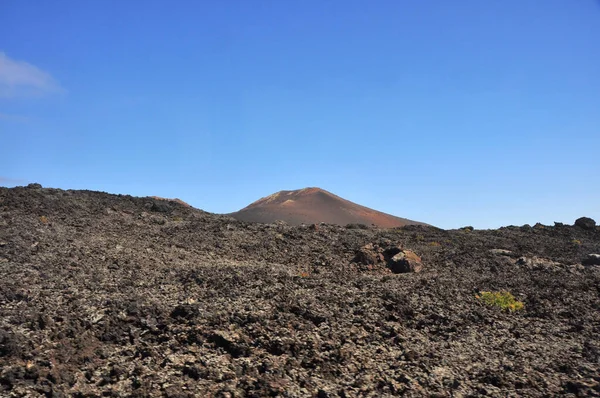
(585, 223)
(405, 261)
(537, 262)
(591, 259)
(501, 252)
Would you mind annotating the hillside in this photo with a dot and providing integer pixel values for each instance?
(113, 295)
(313, 206)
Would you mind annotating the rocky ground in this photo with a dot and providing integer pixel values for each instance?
(108, 296)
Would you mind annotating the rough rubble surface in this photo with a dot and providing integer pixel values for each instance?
(115, 296)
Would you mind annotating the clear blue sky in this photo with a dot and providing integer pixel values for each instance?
(469, 112)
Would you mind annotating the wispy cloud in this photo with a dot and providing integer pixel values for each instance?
(20, 79)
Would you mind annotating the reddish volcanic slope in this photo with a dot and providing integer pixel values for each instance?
(315, 205)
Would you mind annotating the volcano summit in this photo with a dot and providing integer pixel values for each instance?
(313, 206)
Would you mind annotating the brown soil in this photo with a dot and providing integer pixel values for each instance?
(313, 206)
(111, 295)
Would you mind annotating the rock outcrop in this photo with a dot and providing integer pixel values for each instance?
(585, 223)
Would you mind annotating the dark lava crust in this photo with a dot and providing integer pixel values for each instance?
(113, 296)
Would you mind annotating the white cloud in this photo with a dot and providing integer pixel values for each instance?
(20, 79)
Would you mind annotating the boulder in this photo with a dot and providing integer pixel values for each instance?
(365, 257)
(405, 261)
(591, 259)
(368, 255)
(585, 223)
(396, 259)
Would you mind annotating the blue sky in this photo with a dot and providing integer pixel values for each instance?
(470, 112)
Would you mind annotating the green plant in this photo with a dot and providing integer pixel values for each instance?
(576, 242)
(505, 300)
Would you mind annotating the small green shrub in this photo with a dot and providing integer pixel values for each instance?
(505, 300)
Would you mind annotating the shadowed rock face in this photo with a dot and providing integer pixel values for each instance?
(313, 206)
(181, 202)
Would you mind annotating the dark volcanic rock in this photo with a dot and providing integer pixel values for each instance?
(585, 223)
(405, 261)
(160, 207)
(368, 255)
(591, 259)
(104, 295)
(536, 262)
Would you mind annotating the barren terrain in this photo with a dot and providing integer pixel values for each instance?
(117, 296)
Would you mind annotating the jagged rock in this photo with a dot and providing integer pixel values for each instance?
(585, 223)
(187, 311)
(356, 226)
(34, 185)
(405, 261)
(369, 254)
(501, 252)
(591, 259)
(160, 207)
(537, 262)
